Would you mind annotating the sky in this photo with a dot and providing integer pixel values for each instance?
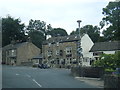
(59, 13)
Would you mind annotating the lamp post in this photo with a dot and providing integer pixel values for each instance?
(79, 21)
(79, 49)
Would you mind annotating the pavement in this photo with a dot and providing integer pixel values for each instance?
(92, 81)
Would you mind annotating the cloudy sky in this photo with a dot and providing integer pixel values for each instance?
(58, 13)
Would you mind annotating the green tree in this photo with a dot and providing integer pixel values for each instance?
(92, 31)
(12, 29)
(36, 31)
(58, 32)
(112, 18)
(108, 61)
(36, 25)
(37, 38)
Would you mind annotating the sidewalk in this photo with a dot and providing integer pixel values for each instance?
(92, 81)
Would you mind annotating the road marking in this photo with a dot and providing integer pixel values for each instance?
(37, 83)
(17, 74)
(28, 76)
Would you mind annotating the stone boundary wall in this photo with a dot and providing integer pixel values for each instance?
(111, 81)
(93, 72)
(26, 63)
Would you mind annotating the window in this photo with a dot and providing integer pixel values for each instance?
(49, 44)
(85, 60)
(57, 43)
(7, 52)
(58, 61)
(70, 60)
(97, 53)
(49, 53)
(63, 62)
(96, 58)
(61, 53)
(57, 52)
(11, 52)
(91, 61)
(68, 50)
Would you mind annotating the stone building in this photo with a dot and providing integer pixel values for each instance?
(62, 51)
(19, 53)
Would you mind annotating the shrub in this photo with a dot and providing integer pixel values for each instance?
(109, 61)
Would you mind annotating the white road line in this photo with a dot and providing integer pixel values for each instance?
(17, 74)
(28, 76)
(37, 83)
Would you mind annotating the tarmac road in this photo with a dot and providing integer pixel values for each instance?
(28, 77)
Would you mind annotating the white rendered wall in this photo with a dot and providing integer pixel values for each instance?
(109, 52)
(86, 44)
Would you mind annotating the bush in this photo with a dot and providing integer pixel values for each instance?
(109, 70)
(108, 61)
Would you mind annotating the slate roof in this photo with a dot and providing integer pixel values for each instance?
(62, 39)
(106, 46)
(14, 46)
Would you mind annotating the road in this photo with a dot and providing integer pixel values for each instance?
(28, 77)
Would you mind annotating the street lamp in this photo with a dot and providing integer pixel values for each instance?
(79, 21)
(79, 49)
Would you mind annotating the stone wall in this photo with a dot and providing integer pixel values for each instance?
(26, 52)
(111, 81)
(94, 72)
(61, 58)
(26, 63)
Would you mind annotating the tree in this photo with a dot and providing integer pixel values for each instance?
(36, 25)
(92, 31)
(112, 18)
(74, 32)
(37, 38)
(108, 61)
(58, 32)
(12, 29)
(36, 31)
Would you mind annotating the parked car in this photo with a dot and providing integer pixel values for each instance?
(35, 65)
(117, 72)
(43, 66)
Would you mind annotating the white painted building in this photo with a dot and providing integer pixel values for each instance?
(104, 47)
(86, 44)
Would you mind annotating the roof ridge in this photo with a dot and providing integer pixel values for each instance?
(106, 46)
